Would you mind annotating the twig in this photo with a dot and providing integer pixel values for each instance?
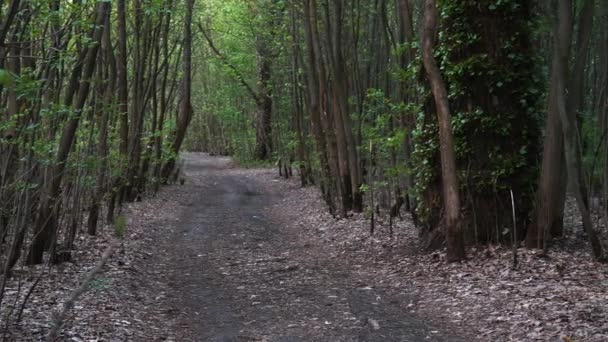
(372, 222)
(69, 304)
(514, 233)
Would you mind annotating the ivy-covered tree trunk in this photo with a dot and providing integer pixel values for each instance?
(490, 70)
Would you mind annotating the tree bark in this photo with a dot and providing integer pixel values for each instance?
(296, 95)
(563, 38)
(122, 74)
(317, 124)
(551, 193)
(342, 112)
(451, 196)
(108, 96)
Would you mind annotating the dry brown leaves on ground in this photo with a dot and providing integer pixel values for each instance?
(124, 302)
(564, 295)
(544, 299)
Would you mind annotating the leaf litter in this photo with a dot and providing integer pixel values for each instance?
(560, 297)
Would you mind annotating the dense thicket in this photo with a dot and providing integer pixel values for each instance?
(95, 101)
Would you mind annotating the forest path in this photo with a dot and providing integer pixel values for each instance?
(235, 273)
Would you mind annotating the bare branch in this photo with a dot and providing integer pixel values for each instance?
(69, 304)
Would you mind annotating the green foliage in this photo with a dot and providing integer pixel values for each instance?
(45, 77)
(5, 78)
(382, 141)
(225, 123)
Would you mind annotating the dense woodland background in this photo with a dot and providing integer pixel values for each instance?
(350, 93)
(478, 118)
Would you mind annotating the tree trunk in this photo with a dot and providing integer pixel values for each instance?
(296, 95)
(143, 29)
(407, 122)
(449, 178)
(342, 113)
(123, 103)
(108, 97)
(551, 193)
(185, 112)
(263, 149)
(47, 215)
(316, 119)
(563, 38)
(121, 68)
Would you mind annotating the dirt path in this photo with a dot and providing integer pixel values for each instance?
(233, 273)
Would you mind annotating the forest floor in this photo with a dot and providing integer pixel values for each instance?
(242, 255)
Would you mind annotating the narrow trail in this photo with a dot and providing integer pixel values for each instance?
(237, 274)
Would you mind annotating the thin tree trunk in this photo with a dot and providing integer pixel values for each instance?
(342, 109)
(451, 196)
(121, 68)
(13, 9)
(185, 112)
(315, 107)
(123, 105)
(46, 220)
(551, 193)
(303, 159)
(563, 38)
(108, 96)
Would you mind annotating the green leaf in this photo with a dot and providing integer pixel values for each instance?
(5, 77)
